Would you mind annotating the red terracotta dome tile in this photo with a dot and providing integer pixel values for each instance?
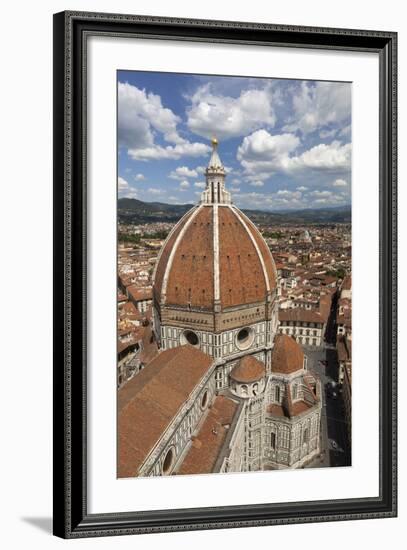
(288, 356)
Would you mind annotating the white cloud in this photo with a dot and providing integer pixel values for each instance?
(324, 134)
(122, 183)
(287, 200)
(184, 185)
(262, 154)
(321, 201)
(139, 112)
(321, 194)
(326, 157)
(170, 152)
(200, 184)
(155, 191)
(254, 200)
(340, 183)
(125, 190)
(140, 115)
(346, 131)
(183, 172)
(256, 183)
(318, 104)
(262, 145)
(302, 188)
(289, 194)
(229, 116)
(139, 177)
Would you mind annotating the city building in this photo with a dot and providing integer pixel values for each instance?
(306, 324)
(226, 392)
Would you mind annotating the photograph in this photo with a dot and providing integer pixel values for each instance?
(234, 274)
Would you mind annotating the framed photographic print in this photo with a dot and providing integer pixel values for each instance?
(225, 274)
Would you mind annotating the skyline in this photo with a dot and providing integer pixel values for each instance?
(285, 143)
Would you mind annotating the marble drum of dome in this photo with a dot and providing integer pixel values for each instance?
(215, 279)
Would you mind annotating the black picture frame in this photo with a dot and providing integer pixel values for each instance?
(71, 518)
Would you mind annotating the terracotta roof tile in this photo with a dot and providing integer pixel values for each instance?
(151, 399)
(347, 283)
(191, 273)
(165, 253)
(249, 369)
(139, 293)
(241, 273)
(288, 356)
(207, 445)
(265, 252)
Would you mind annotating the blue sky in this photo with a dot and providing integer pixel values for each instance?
(286, 144)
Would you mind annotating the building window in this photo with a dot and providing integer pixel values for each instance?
(305, 436)
(273, 440)
(244, 390)
(168, 461)
(295, 391)
(204, 400)
(277, 394)
(190, 337)
(244, 338)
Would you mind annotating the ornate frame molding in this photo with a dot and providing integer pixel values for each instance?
(71, 30)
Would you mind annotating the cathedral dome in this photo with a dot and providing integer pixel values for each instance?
(287, 357)
(249, 369)
(215, 257)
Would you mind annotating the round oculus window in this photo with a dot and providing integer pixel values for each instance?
(191, 337)
(168, 461)
(204, 400)
(244, 338)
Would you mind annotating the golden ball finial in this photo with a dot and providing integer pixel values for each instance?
(214, 142)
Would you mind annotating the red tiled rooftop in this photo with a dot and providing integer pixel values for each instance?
(207, 445)
(191, 272)
(249, 369)
(150, 400)
(288, 356)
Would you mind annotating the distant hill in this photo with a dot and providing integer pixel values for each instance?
(136, 211)
(337, 214)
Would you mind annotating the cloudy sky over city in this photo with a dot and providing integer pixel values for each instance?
(286, 144)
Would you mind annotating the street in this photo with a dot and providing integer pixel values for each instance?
(334, 444)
